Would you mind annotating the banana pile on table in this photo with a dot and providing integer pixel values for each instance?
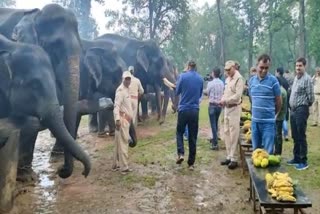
(246, 129)
(261, 158)
(280, 186)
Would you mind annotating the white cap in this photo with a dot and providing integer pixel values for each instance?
(131, 68)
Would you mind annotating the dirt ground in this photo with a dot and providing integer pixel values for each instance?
(156, 185)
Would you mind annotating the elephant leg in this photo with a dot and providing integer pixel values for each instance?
(102, 122)
(133, 136)
(28, 136)
(144, 108)
(165, 104)
(153, 104)
(93, 123)
(111, 123)
(79, 116)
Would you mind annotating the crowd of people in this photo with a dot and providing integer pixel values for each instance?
(275, 100)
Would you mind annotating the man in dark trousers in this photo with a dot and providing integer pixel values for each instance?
(189, 86)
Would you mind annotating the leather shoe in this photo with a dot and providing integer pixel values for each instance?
(232, 165)
(225, 162)
(180, 159)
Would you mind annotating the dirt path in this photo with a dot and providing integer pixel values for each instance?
(157, 184)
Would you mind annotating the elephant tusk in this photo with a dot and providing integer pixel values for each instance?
(170, 85)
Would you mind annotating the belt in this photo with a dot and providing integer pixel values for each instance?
(231, 105)
(296, 107)
(134, 97)
(125, 116)
(214, 104)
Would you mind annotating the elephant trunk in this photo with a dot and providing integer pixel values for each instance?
(54, 121)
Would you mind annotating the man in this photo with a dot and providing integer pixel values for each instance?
(189, 86)
(136, 90)
(285, 84)
(301, 99)
(265, 93)
(280, 119)
(215, 91)
(289, 77)
(316, 104)
(123, 117)
(231, 101)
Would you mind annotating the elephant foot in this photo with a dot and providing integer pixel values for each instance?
(112, 133)
(144, 117)
(102, 134)
(26, 174)
(64, 172)
(93, 129)
(56, 156)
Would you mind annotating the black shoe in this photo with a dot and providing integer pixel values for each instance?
(232, 165)
(214, 147)
(225, 162)
(180, 159)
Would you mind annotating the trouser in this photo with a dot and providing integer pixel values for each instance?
(298, 119)
(232, 130)
(316, 109)
(278, 138)
(134, 104)
(263, 135)
(285, 128)
(120, 158)
(188, 118)
(214, 113)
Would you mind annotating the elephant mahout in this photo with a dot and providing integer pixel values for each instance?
(28, 98)
(150, 65)
(55, 29)
(101, 71)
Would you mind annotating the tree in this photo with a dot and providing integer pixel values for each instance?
(302, 29)
(222, 53)
(88, 28)
(313, 20)
(7, 3)
(149, 19)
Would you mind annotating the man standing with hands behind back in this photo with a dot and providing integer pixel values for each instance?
(123, 117)
(189, 86)
(265, 93)
(231, 101)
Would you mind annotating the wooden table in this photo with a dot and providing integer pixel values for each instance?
(259, 193)
(245, 150)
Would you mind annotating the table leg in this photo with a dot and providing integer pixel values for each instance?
(250, 189)
(296, 210)
(254, 200)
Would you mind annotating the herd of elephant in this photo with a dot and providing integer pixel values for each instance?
(50, 77)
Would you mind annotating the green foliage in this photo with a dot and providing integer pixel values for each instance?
(313, 20)
(7, 3)
(88, 28)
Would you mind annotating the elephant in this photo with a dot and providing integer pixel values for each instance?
(28, 98)
(100, 75)
(55, 29)
(150, 65)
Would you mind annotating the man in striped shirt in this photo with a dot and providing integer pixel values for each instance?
(264, 90)
(301, 98)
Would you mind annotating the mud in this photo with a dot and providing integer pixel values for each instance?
(150, 188)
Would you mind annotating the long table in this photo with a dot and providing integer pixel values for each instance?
(261, 198)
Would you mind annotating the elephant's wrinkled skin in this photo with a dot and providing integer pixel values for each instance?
(100, 75)
(28, 93)
(55, 29)
(149, 63)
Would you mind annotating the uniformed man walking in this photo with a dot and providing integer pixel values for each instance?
(123, 116)
(136, 90)
(231, 101)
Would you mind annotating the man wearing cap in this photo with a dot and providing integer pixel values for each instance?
(189, 87)
(136, 90)
(123, 117)
(231, 101)
(265, 93)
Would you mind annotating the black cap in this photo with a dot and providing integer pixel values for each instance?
(192, 63)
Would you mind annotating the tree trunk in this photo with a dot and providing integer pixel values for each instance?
(222, 53)
(302, 30)
(9, 144)
(250, 51)
(151, 19)
(270, 43)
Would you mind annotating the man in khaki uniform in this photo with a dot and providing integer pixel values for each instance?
(136, 90)
(231, 101)
(316, 104)
(123, 116)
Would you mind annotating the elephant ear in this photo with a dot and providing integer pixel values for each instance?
(142, 58)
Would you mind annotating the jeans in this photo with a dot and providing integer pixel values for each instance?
(278, 138)
(263, 135)
(188, 118)
(298, 120)
(214, 113)
(285, 128)
(186, 134)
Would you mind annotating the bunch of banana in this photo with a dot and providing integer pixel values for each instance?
(245, 116)
(280, 186)
(246, 126)
(260, 158)
(247, 136)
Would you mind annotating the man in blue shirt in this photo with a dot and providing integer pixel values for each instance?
(264, 90)
(189, 86)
